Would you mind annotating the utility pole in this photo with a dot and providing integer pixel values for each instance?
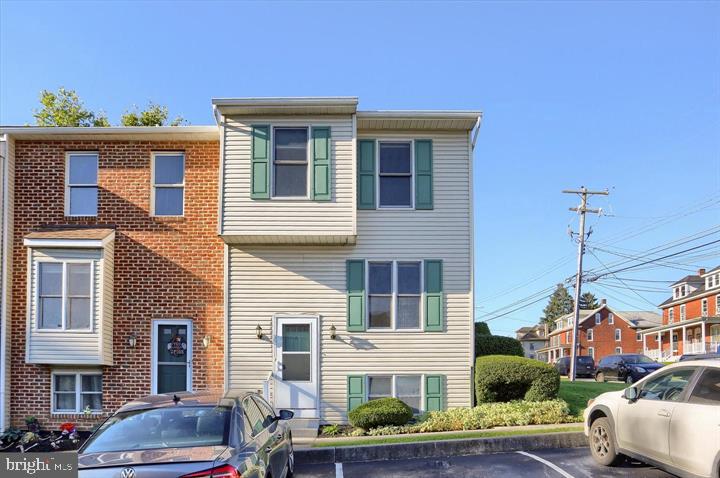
(581, 210)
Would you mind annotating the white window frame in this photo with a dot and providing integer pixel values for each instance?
(393, 378)
(682, 312)
(704, 307)
(590, 335)
(611, 318)
(412, 175)
(154, 187)
(717, 304)
(618, 350)
(591, 352)
(671, 315)
(638, 336)
(598, 318)
(308, 162)
(78, 374)
(69, 186)
(618, 335)
(567, 337)
(64, 289)
(394, 296)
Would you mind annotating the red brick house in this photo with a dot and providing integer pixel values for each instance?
(690, 318)
(114, 268)
(601, 332)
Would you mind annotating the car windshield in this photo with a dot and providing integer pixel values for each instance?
(173, 427)
(585, 360)
(637, 359)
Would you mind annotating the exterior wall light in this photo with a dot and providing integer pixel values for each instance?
(132, 340)
(206, 341)
(333, 332)
(258, 331)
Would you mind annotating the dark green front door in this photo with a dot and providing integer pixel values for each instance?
(173, 349)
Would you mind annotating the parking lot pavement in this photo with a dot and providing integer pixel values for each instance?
(557, 463)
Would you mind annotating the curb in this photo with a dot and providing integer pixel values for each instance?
(439, 449)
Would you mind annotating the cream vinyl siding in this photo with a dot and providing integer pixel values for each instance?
(69, 347)
(264, 281)
(299, 220)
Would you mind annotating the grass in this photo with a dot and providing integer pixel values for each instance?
(422, 437)
(577, 394)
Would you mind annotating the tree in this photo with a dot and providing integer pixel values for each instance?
(65, 108)
(153, 115)
(588, 301)
(560, 304)
(482, 328)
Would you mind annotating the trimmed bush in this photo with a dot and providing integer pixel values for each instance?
(501, 378)
(497, 345)
(380, 413)
(482, 328)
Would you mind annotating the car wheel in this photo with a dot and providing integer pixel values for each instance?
(629, 380)
(600, 377)
(291, 462)
(602, 443)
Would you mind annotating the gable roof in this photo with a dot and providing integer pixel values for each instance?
(690, 278)
(641, 318)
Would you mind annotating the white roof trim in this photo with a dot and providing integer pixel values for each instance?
(30, 132)
(287, 101)
(423, 114)
(71, 243)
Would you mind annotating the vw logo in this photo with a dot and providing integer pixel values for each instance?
(127, 473)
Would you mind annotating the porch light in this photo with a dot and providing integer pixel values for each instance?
(132, 340)
(333, 333)
(206, 341)
(258, 331)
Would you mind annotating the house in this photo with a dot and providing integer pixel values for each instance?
(601, 332)
(301, 248)
(690, 318)
(532, 340)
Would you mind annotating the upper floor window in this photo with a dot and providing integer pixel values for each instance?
(611, 318)
(81, 184)
(590, 335)
(704, 307)
(591, 352)
(682, 312)
(65, 295)
(168, 184)
(598, 318)
(717, 304)
(394, 290)
(395, 174)
(290, 162)
(567, 337)
(618, 335)
(671, 315)
(638, 336)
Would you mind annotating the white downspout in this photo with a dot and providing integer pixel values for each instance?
(4, 293)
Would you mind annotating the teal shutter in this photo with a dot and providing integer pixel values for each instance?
(423, 174)
(355, 391)
(355, 281)
(434, 296)
(260, 167)
(366, 174)
(434, 393)
(321, 164)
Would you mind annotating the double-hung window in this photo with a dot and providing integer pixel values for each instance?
(77, 392)
(611, 318)
(81, 184)
(598, 318)
(704, 307)
(618, 335)
(682, 312)
(638, 336)
(717, 304)
(671, 315)
(64, 295)
(290, 162)
(590, 335)
(404, 387)
(395, 174)
(394, 292)
(168, 184)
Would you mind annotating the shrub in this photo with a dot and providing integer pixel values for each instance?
(381, 412)
(482, 328)
(497, 345)
(500, 378)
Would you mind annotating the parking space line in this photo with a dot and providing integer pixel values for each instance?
(338, 470)
(547, 463)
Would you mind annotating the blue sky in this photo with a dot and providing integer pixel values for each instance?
(617, 95)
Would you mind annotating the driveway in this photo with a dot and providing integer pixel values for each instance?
(553, 463)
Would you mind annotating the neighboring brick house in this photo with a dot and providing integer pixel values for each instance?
(114, 249)
(601, 332)
(690, 318)
(533, 339)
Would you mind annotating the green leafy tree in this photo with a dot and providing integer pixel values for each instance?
(482, 328)
(64, 108)
(153, 115)
(588, 301)
(560, 304)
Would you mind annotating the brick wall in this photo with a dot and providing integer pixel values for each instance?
(164, 267)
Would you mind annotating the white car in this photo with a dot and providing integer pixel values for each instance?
(669, 419)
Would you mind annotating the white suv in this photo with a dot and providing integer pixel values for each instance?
(670, 419)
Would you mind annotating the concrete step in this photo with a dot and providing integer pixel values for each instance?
(304, 427)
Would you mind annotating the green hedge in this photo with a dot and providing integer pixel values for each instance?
(379, 413)
(501, 378)
(482, 328)
(497, 345)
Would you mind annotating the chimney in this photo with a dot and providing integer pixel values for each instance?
(603, 301)
(701, 272)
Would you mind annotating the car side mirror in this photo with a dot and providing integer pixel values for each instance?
(285, 415)
(631, 394)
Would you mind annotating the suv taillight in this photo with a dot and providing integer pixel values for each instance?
(224, 471)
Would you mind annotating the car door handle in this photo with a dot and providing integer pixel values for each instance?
(279, 436)
(663, 413)
(268, 449)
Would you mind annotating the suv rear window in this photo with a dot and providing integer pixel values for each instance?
(176, 427)
(585, 360)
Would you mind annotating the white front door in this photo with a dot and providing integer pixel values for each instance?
(296, 370)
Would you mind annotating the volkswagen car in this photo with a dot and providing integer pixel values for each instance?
(669, 419)
(191, 435)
